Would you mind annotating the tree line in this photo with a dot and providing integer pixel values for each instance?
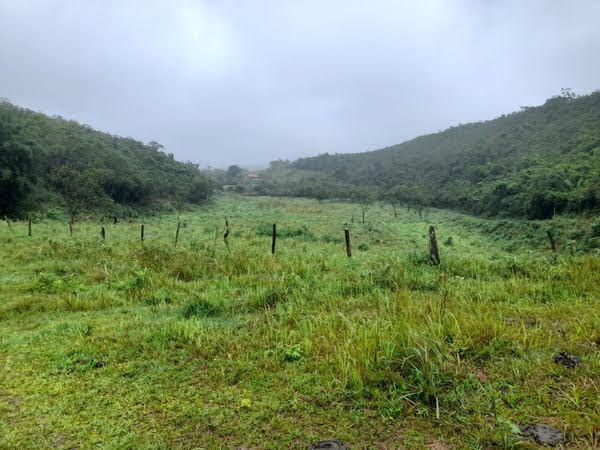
(534, 163)
(49, 161)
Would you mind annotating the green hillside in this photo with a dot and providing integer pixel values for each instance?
(533, 163)
(51, 161)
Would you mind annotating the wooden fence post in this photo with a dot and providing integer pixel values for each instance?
(274, 239)
(551, 239)
(347, 236)
(434, 254)
(29, 228)
(226, 235)
(142, 233)
(71, 227)
(103, 233)
(177, 233)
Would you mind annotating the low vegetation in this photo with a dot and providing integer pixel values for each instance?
(125, 344)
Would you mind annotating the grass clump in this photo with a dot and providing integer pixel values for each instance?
(201, 307)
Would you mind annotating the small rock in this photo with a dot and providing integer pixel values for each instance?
(544, 434)
(566, 359)
(99, 364)
(332, 445)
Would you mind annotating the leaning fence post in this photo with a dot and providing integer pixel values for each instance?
(274, 239)
(142, 233)
(177, 233)
(347, 236)
(434, 255)
(29, 228)
(103, 233)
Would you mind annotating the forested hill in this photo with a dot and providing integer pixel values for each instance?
(531, 163)
(49, 161)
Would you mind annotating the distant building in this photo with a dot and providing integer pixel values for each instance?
(253, 176)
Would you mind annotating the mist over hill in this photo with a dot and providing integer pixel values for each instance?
(533, 163)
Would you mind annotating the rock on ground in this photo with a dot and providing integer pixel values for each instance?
(566, 359)
(544, 434)
(329, 445)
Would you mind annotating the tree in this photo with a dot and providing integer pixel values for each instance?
(198, 191)
(392, 198)
(279, 164)
(15, 170)
(365, 199)
(320, 192)
(234, 171)
(80, 191)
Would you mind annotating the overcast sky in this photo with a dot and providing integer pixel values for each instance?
(233, 81)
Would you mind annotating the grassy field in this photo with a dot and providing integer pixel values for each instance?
(123, 344)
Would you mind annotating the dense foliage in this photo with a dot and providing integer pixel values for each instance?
(44, 160)
(533, 163)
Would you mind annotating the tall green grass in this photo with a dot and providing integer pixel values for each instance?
(119, 343)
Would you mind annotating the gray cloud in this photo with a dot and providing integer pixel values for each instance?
(234, 81)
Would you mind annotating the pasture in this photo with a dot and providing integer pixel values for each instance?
(120, 343)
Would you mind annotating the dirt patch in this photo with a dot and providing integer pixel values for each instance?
(437, 445)
(482, 375)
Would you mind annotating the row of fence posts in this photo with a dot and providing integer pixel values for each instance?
(434, 255)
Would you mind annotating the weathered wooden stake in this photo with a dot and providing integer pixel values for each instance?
(29, 228)
(348, 248)
(103, 233)
(434, 254)
(142, 233)
(551, 239)
(274, 239)
(177, 233)
(226, 235)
